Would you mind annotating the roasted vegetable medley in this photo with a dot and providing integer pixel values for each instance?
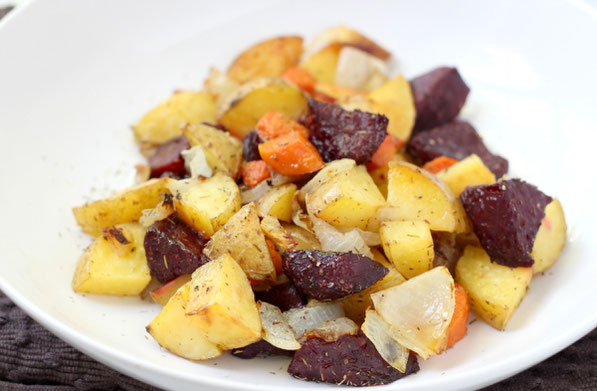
(306, 204)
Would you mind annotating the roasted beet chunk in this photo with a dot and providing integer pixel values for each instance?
(167, 158)
(284, 296)
(447, 250)
(330, 276)
(250, 146)
(173, 248)
(457, 139)
(338, 133)
(439, 96)
(506, 217)
(261, 348)
(352, 361)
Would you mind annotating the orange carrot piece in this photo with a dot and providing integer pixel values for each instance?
(384, 153)
(255, 172)
(276, 257)
(291, 154)
(459, 322)
(274, 124)
(301, 78)
(439, 163)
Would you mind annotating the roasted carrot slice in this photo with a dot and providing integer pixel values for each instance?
(291, 154)
(301, 78)
(439, 163)
(385, 152)
(274, 124)
(255, 172)
(276, 257)
(457, 327)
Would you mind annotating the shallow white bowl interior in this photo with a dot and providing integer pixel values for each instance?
(75, 75)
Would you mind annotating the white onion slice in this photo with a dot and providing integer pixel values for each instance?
(176, 187)
(160, 212)
(370, 238)
(254, 193)
(196, 163)
(378, 332)
(305, 319)
(275, 327)
(359, 70)
(333, 240)
(419, 311)
(331, 330)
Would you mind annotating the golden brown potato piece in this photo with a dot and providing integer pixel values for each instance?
(305, 239)
(164, 121)
(242, 238)
(356, 305)
(277, 202)
(179, 333)
(349, 37)
(417, 195)
(470, 171)
(274, 231)
(240, 113)
(207, 205)
(322, 64)
(222, 300)
(551, 237)
(494, 290)
(380, 174)
(409, 245)
(395, 100)
(348, 98)
(115, 263)
(124, 207)
(266, 59)
(222, 151)
(164, 293)
(348, 199)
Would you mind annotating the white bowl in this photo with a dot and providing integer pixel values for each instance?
(75, 74)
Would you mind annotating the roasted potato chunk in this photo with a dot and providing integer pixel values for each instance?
(551, 237)
(222, 151)
(114, 264)
(243, 109)
(305, 239)
(322, 64)
(394, 99)
(179, 333)
(409, 245)
(222, 300)
(164, 121)
(348, 199)
(124, 207)
(266, 59)
(495, 291)
(208, 205)
(349, 37)
(417, 195)
(470, 171)
(242, 238)
(277, 202)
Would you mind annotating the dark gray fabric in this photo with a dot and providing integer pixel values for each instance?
(32, 359)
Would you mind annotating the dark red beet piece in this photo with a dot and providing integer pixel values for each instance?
(173, 248)
(329, 275)
(261, 348)
(284, 296)
(439, 95)
(506, 217)
(251, 142)
(352, 360)
(167, 158)
(339, 133)
(457, 139)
